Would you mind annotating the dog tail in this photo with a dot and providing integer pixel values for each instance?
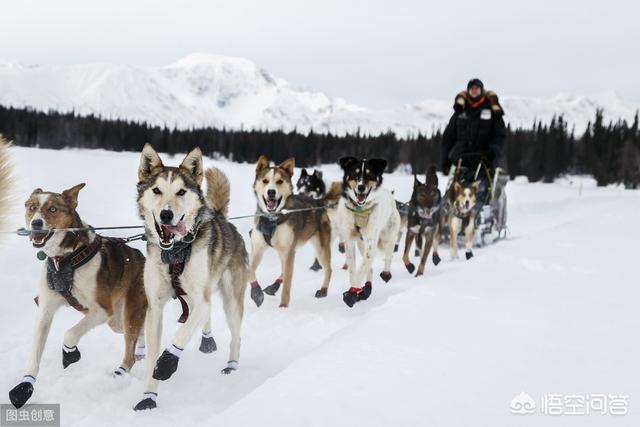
(218, 190)
(334, 192)
(6, 181)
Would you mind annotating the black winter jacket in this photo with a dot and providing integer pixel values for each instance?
(473, 130)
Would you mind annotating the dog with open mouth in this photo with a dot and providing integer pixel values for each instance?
(367, 217)
(285, 232)
(193, 251)
(461, 214)
(100, 277)
(423, 221)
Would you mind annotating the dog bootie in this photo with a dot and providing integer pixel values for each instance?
(20, 394)
(410, 267)
(149, 402)
(468, 255)
(341, 248)
(321, 293)
(256, 294)
(365, 293)
(208, 344)
(273, 288)
(316, 265)
(416, 253)
(436, 259)
(167, 363)
(69, 355)
(232, 365)
(386, 276)
(350, 297)
(395, 248)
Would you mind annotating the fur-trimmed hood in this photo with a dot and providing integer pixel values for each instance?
(492, 97)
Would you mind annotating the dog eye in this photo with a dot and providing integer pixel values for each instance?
(33, 208)
(53, 209)
(279, 182)
(265, 181)
(182, 192)
(156, 190)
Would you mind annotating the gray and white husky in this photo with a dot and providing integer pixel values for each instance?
(192, 251)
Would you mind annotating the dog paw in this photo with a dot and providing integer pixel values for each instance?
(119, 372)
(350, 297)
(140, 353)
(341, 248)
(416, 253)
(207, 345)
(410, 267)
(386, 276)
(365, 293)
(273, 288)
(316, 265)
(436, 259)
(232, 365)
(166, 365)
(395, 248)
(146, 403)
(468, 255)
(345, 266)
(69, 355)
(321, 293)
(257, 295)
(283, 305)
(20, 394)
(419, 273)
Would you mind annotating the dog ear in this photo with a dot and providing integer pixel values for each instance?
(262, 163)
(317, 173)
(71, 195)
(303, 172)
(288, 165)
(475, 186)
(192, 163)
(432, 176)
(378, 165)
(36, 191)
(454, 190)
(347, 162)
(416, 181)
(149, 161)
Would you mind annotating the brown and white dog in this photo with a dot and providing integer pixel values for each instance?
(367, 216)
(461, 214)
(100, 277)
(285, 232)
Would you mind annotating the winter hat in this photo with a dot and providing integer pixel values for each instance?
(475, 82)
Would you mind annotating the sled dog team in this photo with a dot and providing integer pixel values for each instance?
(193, 252)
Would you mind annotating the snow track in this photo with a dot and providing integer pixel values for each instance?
(553, 309)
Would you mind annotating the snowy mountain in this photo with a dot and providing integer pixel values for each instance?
(208, 90)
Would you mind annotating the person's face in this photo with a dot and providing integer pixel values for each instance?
(475, 91)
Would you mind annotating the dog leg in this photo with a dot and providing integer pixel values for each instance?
(258, 246)
(141, 349)
(288, 259)
(408, 241)
(436, 242)
(323, 250)
(417, 253)
(455, 224)
(207, 343)
(469, 237)
(232, 302)
(48, 304)
(134, 314)
(152, 331)
(70, 352)
(428, 241)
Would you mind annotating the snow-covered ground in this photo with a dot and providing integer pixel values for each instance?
(213, 90)
(553, 310)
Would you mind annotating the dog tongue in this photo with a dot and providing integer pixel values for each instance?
(271, 204)
(179, 228)
(361, 198)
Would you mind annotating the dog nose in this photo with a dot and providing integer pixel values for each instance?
(466, 204)
(37, 224)
(166, 216)
(271, 194)
(361, 188)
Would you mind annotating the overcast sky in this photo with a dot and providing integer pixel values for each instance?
(373, 53)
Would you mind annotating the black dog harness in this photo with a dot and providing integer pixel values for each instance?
(60, 271)
(267, 225)
(177, 257)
